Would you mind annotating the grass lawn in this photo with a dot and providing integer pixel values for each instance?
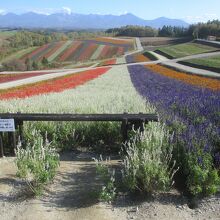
(186, 49)
(210, 62)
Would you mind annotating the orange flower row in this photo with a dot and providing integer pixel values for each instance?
(108, 62)
(205, 82)
(141, 58)
(113, 41)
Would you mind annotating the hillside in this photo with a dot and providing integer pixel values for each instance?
(73, 51)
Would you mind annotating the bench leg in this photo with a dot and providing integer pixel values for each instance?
(1, 146)
(124, 130)
(20, 131)
(12, 141)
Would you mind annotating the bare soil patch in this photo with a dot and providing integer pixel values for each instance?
(148, 42)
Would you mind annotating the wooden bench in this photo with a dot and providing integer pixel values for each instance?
(128, 121)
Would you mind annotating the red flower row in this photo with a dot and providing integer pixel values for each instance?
(86, 54)
(54, 49)
(108, 62)
(35, 52)
(55, 85)
(74, 46)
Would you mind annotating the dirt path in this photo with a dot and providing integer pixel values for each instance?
(71, 196)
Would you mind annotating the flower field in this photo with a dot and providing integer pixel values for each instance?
(108, 62)
(190, 107)
(115, 41)
(212, 84)
(95, 96)
(54, 85)
(136, 58)
(79, 51)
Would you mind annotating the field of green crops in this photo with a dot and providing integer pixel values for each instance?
(186, 49)
(208, 62)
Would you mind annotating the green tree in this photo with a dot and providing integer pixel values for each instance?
(35, 65)
(44, 61)
(28, 63)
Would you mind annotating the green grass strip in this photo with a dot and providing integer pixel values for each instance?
(186, 49)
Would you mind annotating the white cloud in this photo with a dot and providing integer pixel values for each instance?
(66, 10)
(41, 12)
(2, 12)
(123, 13)
(49, 11)
(201, 18)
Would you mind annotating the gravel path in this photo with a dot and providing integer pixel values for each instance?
(158, 56)
(138, 43)
(120, 60)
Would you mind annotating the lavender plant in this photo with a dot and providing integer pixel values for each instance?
(130, 59)
(148, 165)
(37, 163)
(107, 176)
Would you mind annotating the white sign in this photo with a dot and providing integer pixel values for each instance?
(7, 125)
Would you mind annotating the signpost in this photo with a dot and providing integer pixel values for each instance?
(6, 125)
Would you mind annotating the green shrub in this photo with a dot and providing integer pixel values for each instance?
(202, 177)
(98, 136)
(37, 163)
(147, 164)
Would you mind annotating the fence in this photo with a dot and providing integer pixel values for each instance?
(128, 121)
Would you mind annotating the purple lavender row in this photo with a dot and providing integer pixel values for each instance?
(195, 107)
(130, 59)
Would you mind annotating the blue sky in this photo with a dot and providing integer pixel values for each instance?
(189, 10)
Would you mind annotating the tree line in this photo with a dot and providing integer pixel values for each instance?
(28, 65)
(203, 30)
(200, 30)
(133, 31)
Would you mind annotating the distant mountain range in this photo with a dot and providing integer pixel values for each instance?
(80, 21)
